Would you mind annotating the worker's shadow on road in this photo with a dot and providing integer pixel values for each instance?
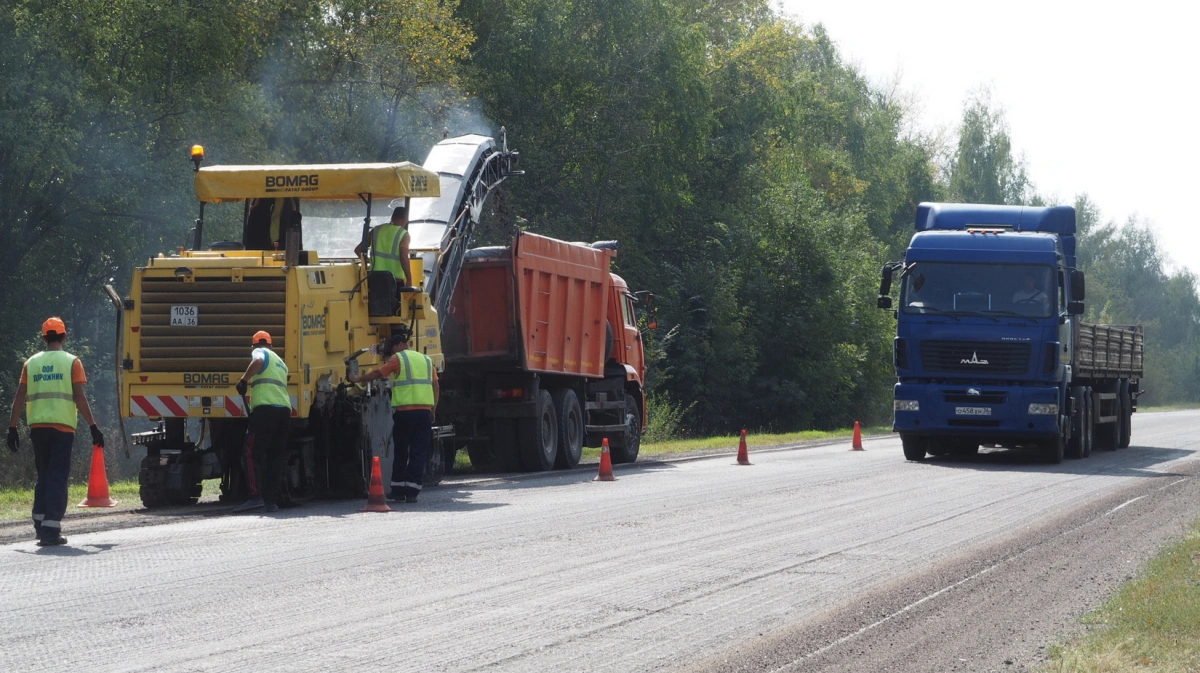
(67, 550)
(1135, 461)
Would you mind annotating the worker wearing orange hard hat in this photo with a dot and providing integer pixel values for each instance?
(51, 392)
(270, 405)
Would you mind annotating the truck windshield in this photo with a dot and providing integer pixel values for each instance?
(988, 289)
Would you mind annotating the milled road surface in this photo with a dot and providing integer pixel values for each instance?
(818, 559)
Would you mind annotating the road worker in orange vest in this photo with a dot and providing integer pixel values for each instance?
(51, 392)
(266, 379)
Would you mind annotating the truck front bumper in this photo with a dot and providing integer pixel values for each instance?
(983, 411)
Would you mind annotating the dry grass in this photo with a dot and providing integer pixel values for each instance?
(1152, 624)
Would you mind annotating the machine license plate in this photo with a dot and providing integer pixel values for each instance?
(185, 316)
(973, 411)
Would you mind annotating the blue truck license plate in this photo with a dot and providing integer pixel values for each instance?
(973, 411)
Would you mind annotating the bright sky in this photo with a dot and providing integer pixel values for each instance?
(1099, 97)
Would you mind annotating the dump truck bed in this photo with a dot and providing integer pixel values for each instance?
(538, 305)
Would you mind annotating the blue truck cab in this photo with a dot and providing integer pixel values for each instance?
(987, 333)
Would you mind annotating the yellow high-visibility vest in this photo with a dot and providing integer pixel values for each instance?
(269, 387)
(385, 254)
(413, 383)
(50, 397)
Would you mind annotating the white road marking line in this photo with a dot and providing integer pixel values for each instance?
(1127, 502)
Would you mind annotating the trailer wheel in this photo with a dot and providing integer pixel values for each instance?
(914, 447)
(570, 428)
(625, 448)
(1125, 404)
(539, 435)
(1107, 435)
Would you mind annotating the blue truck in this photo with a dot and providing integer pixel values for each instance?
(990, 348)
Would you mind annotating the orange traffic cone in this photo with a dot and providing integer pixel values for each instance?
(605, 465)
(743, 455)
(375, 501)
(857, 445)
(98, 482)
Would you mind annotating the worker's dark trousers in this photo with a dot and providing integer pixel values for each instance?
(52, 457)
(412, 431)
(266, 447)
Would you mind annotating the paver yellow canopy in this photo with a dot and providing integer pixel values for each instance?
(218, 184)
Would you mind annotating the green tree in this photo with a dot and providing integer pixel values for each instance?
(983, 168)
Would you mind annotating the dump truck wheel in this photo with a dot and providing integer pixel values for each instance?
(570, 428)
(625, 448)
(539, 435)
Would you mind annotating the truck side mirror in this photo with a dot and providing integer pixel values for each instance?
(1077, 286)
(885, 281)
(1074, 308)
(885, 286)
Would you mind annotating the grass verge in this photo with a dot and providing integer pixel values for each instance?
(731, 441)
(16, 503)
(1151, 624)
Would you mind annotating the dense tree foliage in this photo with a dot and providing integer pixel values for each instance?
(755, 179)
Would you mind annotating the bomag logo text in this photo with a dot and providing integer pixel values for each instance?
(315, 321)
(206, 378)
(418, 183)
(291, 181)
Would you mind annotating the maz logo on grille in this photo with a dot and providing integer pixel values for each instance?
(974, 360)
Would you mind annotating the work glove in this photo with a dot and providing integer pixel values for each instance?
(97, 436)
(13, 439)
(242, 387)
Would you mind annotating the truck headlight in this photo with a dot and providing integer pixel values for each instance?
(906, 405)
(1039, 409)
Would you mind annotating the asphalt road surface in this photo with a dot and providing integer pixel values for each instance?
(812, 559)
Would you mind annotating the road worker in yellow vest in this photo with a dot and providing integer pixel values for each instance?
(414, 399)
(266, 379)
(389, 247)
(51, 392)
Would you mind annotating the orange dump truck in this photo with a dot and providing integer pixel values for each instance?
(543, 356)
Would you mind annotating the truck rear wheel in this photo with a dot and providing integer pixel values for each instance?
(626, 446)
(914, 447)
(1125, 403)
(539, 435)
(1108, 435)
(570, 428)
